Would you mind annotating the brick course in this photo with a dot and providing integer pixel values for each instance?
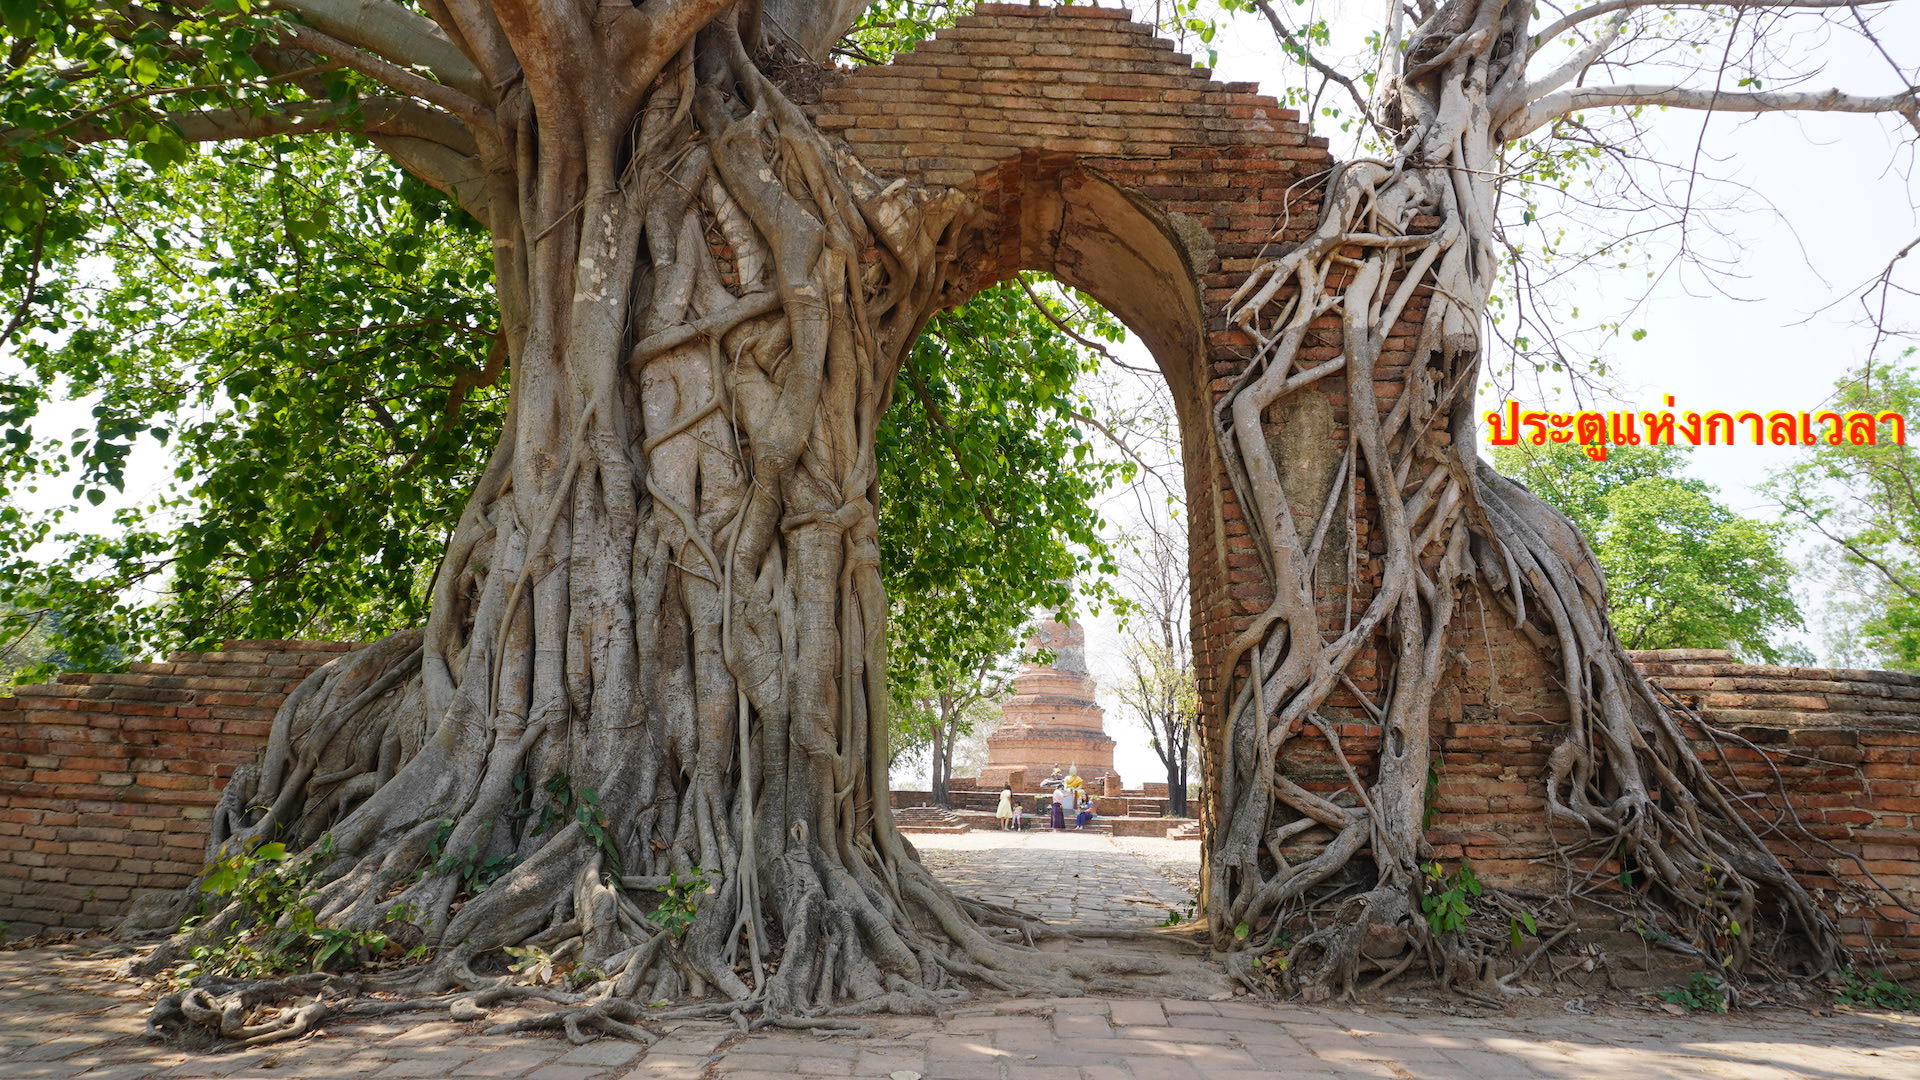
(108, 781)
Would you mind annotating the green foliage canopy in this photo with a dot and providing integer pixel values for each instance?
(1683, 571)
(1864, 501)
(308, 332)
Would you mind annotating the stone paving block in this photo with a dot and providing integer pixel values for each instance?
(42, 1070)
(433, 1033)
(603, 1052)
(779, 1062)
(658, 1066)
(1082, 1027)
(59, 1047)
(1183, 1030)
(567, 1072)
(1023, 1071)
(510, 1062)
(959, 1070)
(426, 1065)
(1148, 1013)
(1164, 1069)
(1022, 1041)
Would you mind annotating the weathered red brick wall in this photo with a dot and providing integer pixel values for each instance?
(107, 782)
(1830, 763)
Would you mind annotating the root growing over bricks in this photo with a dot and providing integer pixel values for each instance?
(1414, 233)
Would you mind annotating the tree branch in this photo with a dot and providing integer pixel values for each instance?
(378, 116)
(1577, 64)
(392, 33)
(1561, 103)
(1575, 18)
(1285, 33)
(373, 67)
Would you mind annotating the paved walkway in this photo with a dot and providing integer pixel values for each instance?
(1061, 877)
(62, 1018)
(59, 1020)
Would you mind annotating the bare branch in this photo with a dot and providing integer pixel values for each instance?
(1577, 64)
(1563, 102)
(392, 75)
(378, 116)
(1594, 11)
(459, 175)
(1285, 33)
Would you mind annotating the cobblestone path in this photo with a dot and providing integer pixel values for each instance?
(1061, 877)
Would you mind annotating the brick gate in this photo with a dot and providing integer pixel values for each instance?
(1094, 152)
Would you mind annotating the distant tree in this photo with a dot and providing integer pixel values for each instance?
(1158, 686)
(1864, 502)
(1682, 570)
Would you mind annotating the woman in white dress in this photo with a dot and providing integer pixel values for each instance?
(1005, 811)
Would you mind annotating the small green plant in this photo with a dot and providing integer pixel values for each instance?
(475, 873)
(278, 932)
(580, 805)
(1703, 992)
(1445, 901)
(680, 901)
(1516, 924)
(1875, 990)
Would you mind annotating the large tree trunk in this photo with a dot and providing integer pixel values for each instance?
(659, 624)
(1443, 525)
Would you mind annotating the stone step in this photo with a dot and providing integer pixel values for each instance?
(948, 829)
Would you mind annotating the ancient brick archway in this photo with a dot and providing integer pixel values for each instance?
(1094, 151)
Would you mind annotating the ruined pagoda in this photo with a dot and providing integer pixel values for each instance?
(1053, 719)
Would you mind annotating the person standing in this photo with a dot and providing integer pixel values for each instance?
(1061, 795)
(1005, 810)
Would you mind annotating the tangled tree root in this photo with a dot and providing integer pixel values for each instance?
(1413, 235)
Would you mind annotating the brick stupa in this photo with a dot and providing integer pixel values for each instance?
(1052, 719)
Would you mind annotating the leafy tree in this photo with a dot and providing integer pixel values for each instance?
(1683, 570)
(1863, 501)
(663, 586)
(323, 403)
